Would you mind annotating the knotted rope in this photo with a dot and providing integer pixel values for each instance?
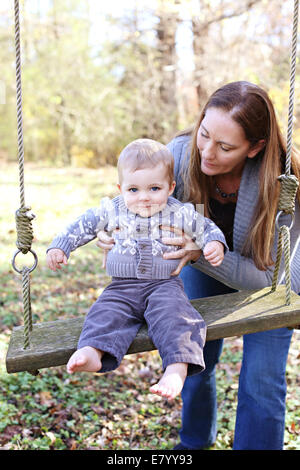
(288, 192)
(24, 229)
(288, 183)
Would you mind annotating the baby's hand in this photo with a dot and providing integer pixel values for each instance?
(56, 257)
(214, 253)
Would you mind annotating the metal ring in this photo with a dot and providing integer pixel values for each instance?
(277, 220)
(32, 267)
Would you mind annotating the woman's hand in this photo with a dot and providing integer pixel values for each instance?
(189, 251)
(106, 243)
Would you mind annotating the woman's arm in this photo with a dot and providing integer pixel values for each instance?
(237, 271)
(240, 272)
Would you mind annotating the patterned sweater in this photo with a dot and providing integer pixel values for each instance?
(138, 248)
(237, 271)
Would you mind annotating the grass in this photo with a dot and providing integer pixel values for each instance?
(90, 411)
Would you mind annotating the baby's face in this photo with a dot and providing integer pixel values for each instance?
(146, 191)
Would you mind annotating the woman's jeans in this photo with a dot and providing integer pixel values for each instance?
(260, 417)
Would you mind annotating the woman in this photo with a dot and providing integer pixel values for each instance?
(229, 163)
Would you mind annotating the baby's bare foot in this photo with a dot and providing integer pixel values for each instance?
(86, 359)
(171, 383)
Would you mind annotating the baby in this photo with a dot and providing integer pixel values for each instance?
(142, 286)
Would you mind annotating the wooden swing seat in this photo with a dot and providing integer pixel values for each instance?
(239, 313)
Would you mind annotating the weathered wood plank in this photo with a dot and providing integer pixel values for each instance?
(52, 343)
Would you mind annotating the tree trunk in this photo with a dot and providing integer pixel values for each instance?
(167, 58)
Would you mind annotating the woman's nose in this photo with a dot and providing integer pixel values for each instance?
(208, 151)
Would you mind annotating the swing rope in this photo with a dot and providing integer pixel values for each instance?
(23, 215)
(288, 183)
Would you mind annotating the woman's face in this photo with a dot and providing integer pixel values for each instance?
(222, 144)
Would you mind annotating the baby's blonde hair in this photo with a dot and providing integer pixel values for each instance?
(146, 153)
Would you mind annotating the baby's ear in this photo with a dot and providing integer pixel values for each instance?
(172, 187)
(119, 187)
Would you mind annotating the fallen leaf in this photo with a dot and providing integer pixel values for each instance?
(46, 398)
(51, 436)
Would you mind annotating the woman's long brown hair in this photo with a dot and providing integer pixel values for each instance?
(251, 107)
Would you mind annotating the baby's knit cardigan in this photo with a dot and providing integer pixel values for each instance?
(138, 250)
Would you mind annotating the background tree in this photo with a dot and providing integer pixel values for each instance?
(86, 96)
